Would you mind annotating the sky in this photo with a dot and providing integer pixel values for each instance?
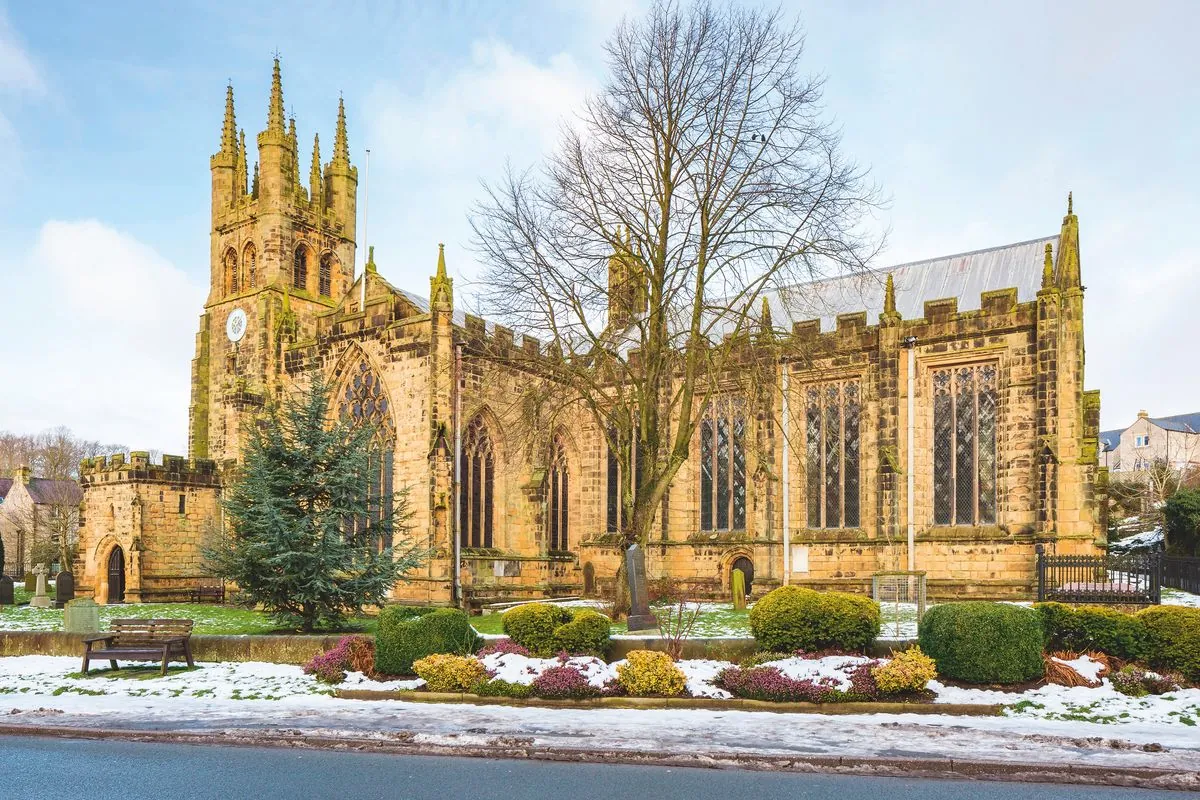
(975, 118)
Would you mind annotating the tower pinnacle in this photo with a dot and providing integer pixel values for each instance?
(1048, 267)
(314, 173)
(229, 129)
(441, 285)
(275, 107)
(239, 180)
(341, 144)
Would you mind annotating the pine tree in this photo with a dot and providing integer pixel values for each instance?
(303, 528)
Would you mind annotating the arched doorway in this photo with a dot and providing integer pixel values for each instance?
(747, 568)
(116, 576)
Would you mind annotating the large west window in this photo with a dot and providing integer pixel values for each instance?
(832, 415)
(723, 467)
(476, 487)
(364, 401)
(964, 445)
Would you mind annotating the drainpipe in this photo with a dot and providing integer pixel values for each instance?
(910, 343)
(787, 518)
(455, 532)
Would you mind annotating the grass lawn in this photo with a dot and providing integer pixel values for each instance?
(209, 619)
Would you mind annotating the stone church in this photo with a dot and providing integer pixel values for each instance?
(944, 407)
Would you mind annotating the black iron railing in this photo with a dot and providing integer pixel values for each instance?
(1134, 579)
(1183, 573)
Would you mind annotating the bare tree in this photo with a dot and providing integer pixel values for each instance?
(46, 529)
(54, 453)
(703, 177)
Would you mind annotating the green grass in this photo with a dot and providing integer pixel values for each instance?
(209, 619)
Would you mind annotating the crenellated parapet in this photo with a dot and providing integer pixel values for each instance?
(137, 467)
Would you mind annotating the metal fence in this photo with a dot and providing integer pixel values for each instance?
(1183, 573)
(1133, 579)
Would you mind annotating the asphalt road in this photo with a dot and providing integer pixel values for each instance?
(73, 768)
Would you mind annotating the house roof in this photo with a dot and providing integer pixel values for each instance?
(964, 276)
(44, 491)
(1184, 423)
(1110, 440)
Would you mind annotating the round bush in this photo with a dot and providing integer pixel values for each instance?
(588, 633)
(533, 626)
(907, 672)
(984, 642)
(406, 635)
(650, 673)
(1173, 639)
(448, 673)
(1106, 630)
(793, 618)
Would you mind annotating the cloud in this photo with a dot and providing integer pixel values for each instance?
(102, 330)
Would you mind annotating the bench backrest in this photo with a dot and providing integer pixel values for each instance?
(133, 632)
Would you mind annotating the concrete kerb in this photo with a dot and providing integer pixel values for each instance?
(403, 743)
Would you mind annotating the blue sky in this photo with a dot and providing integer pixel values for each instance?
(976, 119)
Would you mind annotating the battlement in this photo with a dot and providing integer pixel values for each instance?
(138, 466)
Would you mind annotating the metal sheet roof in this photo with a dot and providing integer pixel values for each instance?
(964, 276)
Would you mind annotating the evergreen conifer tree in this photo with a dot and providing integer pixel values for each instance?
(304, 530)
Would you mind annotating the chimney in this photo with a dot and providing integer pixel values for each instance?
(23, 474)
(1142, 414)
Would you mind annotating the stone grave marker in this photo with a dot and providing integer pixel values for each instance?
(64, 589)
(640, 618)
(30, 582)
(82, 615)
(739, 590)
(40, 598)
(6, 591)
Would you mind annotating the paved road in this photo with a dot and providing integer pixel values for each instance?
(70, 768)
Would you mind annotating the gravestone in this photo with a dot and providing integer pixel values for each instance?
(640, 618)
(30, 582)
(739, 590)
(82, 615)
(64, 589)
(40, 599)
(6, 591)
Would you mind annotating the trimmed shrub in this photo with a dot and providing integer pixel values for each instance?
(499, 688)
(588, 634)
(1093, 628)
(407, 635)
(533, 625)
(1173, 639)
(981, 642)
(907, 673)
(648, 673)
(448, 673)
(793, 618)
(563, 682)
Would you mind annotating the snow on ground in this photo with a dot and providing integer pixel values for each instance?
(1086, 666)
(516, 668)
(37, 691)
(1174, 597)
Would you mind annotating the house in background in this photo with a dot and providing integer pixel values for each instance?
(35, 511)
(1174, 440)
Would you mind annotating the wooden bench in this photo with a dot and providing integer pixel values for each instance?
(142, 640)
(208, 593)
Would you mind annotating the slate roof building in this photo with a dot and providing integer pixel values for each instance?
(1174, 440)
(35, 510)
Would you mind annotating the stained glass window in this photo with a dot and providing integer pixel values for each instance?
(832, 445)
(723, 467)
(964, 445)
(364, 400)
(476, 489)
(558, 506)
(614, 515)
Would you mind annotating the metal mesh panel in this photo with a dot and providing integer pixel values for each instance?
(987, 444)
(851, 465)
(739, 472)
(812, 424)
(722, 467)
(833, 459)
(943, 448)
(901, 598)
(964, 447)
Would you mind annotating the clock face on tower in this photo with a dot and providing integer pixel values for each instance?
(235, 325)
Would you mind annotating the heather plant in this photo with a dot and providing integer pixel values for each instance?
(330, 666)
(863, 685)
(1135, 681)
(769, 683)
(502, 647)
(563, 682)
(443, 672)
(649, 673)
(907, 672)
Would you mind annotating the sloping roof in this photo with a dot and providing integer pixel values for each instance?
(1185, 423)
(1110, 440)
(5, 485)
(964, 276)
(44, 491)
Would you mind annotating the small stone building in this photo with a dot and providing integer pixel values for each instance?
(944, 396)
(35, 511)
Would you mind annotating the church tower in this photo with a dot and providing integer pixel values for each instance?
(281, 254)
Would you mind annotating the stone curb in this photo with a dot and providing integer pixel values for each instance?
(954, 709)
(403, 743)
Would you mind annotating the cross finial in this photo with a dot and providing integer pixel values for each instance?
(1070, 203)
(275, 54)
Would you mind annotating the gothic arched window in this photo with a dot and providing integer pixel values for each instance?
(476, 487)
(964, 445)
(723, 467)
(231, 272)
(363, 400)
(614, 510)
(325, 276)
(250, 266)
(558, 506)
(831, 421)
(300, 268)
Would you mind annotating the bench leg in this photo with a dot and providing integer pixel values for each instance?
(166, 658)
(187, 651)
(112, 662)
(86, 658)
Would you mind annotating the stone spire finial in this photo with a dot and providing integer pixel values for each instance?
(1048, 267)
(239, 180)
(370, 266)
(441, 285)
(764, 319)
(341, 144)
(441, 267)
(254, 183)
(1068, 274)
(229, 128)
(295, 147)
(314, 172)
(889, 295)
(1070, 203)
(275, 107)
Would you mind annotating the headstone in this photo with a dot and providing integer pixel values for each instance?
(30, 582)
(6, 591)
(40, 598)
(82, 615)
(739, 590)
(640, 618)
(64, 589)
